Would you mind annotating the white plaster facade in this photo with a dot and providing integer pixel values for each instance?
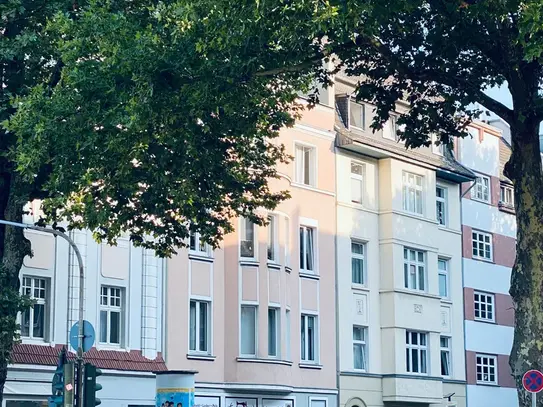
(139, 277)
(382, 305)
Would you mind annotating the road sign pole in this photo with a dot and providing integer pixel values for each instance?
(534, 399)
(81, 294)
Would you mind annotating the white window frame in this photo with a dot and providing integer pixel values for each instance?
(421, 352)
(486, 304)
(482, 192)
(362, 107)
(243, 238)
(447, 350)
(479, 239)
(410, 186)
(443, 200)
(109, 309)
(480, 363)
(255, 307)
(272, 239)
(358, 178)
(304, 343)
(409, 263)
(363, 345)
(358, 256)
(277, 312)
(197, 321)
(200, 248)
(445, 273)
(300, 167)
(506, 190)
(304, 245)
(37, 300)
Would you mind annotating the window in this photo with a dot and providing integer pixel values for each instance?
(481, 245)
(482, 189)
(199, 340)
(273, 332)
(436, 149)
(304, 160)
(272, 241)
(486, 369)
(484, 306)
(110, 315)
(197, 245)
(248, 330)
(247, 244)
(357, 182)
(445, 353)
(308, 341)
(412, 193)
(358, 115)
(33, 319)
(507, 197)
(357, 262)
(287, 334)
(443, 270)
(307, 249)
(359, 347)
(414, 269)
(441, 205)
(416, 349)
(394, 127)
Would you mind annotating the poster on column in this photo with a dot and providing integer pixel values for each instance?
(174, 398)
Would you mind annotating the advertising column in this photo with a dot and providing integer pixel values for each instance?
(175, 388)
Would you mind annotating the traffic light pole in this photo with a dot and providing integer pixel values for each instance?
(81, 295)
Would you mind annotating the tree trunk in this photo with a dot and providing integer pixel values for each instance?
(525, 170)
(13, 248)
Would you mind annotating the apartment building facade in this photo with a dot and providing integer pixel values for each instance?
(123, 297)
(489, 233)
(399, 259)
(256, 318)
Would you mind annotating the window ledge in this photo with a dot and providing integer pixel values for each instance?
(200, 257)
(482, 259)
(197, 356)
(248, 262)
(309, 276)
(312, 188)
(481, 201)
(315, 366)
(104, 346)
(35, 341)
(243, 359)
(446, 301)
(487, 384)
(360, 287)
(484, 321)
(449, 229)
(275, 266)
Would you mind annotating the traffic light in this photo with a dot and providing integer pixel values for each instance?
(90, 387)
(63, 384)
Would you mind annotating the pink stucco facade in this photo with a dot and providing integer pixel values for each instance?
(227, 281)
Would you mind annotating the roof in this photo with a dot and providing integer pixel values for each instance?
(27, 354)
(449, 166)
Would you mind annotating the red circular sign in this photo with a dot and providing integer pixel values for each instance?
(532, 381)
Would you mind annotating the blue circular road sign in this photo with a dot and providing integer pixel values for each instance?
(532, 381)
(88, 336)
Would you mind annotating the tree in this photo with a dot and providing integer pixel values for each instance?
(114, 119)
(156, 98)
